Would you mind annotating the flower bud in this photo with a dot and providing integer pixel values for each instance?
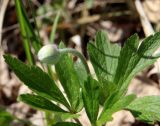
(49, 54)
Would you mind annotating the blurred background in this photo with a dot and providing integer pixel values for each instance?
(77, 23)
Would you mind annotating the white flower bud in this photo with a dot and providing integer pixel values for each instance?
(49, 54)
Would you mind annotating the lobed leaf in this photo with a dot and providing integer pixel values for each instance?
(104, 58)
(134, 59)
(115, 67)
(127, 62)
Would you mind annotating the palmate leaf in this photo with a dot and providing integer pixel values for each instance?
(131, 59)
(90, 95)
(40, 103)
(36, 80)
(146, 109)
(116, 71)
(70, 81)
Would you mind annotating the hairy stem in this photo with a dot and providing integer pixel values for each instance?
(78, 54)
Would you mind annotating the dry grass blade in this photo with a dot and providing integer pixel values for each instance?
(148, 30)
(3, 7)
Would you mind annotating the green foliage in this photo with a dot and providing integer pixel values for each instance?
(146, 109)
(40, 103)
(104, 58)
(81, 71)
(136, 57)
(36, 80)
(108, 109)
(69, 80)
(91, 99)
(114, 67)
(125, 64)
(5, 118)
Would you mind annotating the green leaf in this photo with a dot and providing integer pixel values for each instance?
(90, 95)
(81, 71)
(134, 58)
(5, 118)
(104, 58)
(108, 109)
(36, 79)
(146, 109)
(69, 80)
(146, 51)
(66, 124)
(126, 59)
(114, 67)
(40, 103)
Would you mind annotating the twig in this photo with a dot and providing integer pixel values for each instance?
(3, 7)
(147, 27)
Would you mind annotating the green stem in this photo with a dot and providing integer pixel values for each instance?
(54, 27)
(23, 31)
(52, 36)
(78, 54)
